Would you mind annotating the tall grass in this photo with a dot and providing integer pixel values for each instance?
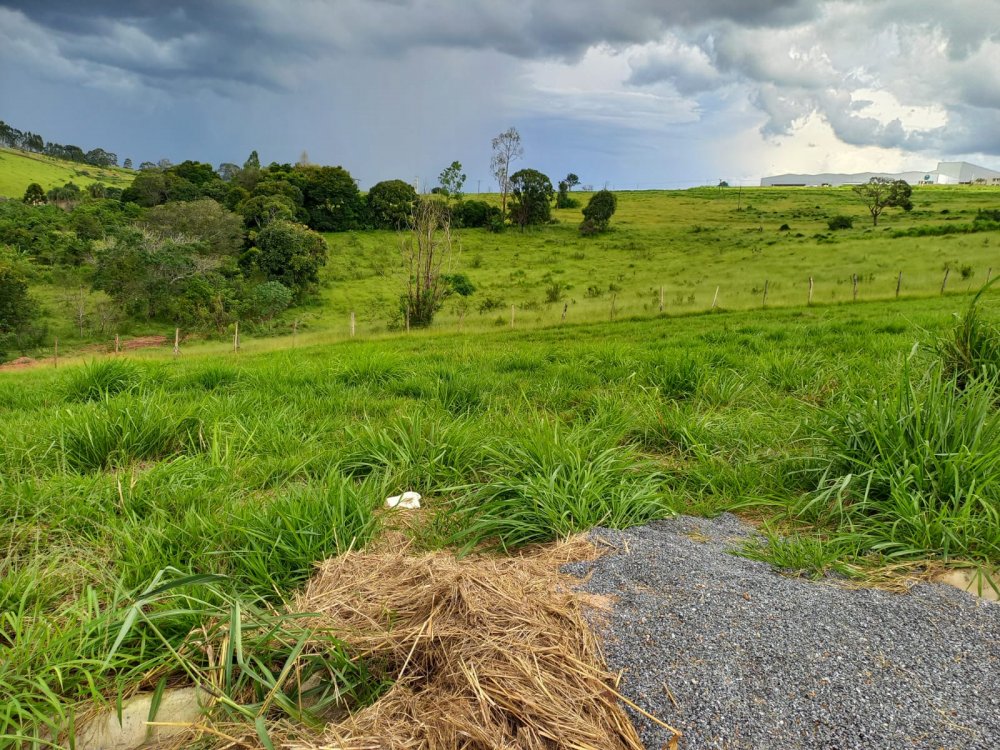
(103, 378)
(972, 350)
(118, 431)
(917, 474)
(552, 482)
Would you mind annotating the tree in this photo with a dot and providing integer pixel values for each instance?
(203, 220)
(425, 250)
(452, 180)
(261, 210)
(292, 254)
(127, 163)
(17, 308)
(34, 195)
(881, 193)
(531, 197)
(507, 149)
(332, 198)
(565, 186)
(391, 204)
(598, 212)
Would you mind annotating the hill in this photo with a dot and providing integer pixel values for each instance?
(18, 169)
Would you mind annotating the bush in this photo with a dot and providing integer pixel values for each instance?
(598, 212)
(840, 222)
(475, 214)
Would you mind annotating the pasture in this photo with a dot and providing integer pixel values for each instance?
(182, 491)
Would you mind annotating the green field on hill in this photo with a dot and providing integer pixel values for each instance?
(18, 169)
(147, 498)
(689, 242)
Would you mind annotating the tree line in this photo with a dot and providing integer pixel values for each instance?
(25, 140)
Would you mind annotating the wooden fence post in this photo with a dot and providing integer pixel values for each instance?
(295, 331)
(407, 318)
(511, 316)
(55, 358)
(766, 284)
(854, 281)
(177, 341)
(944, 281)
(613, 298)
(236, 338)
(117, 344)
(565, 308)
(715, 299)
(352, 324)
(661, 298)
(810, 291)
(899, 283)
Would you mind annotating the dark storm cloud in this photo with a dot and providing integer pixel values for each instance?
(252, 42)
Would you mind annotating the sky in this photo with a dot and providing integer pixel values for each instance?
(625, 93)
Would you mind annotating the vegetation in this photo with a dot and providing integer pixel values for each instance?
(598, 212)
(881, 193)
(531, 198)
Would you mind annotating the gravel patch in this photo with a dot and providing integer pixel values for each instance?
(735, 655)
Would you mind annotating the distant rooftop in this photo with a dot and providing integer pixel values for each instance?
(946, 173)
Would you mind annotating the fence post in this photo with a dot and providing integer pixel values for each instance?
(511, 316)
(944, 281)
(236, 338)
(899, 283)
(352, 324)
(117, 344)
(854, 281)
(661, 298)
(55, 358)
(407, 318)
(295, 331)
(989, 274)
(810, 291)
(766, 284)
(715, 299)
(565, 308)
(177, 341)
(613, 298)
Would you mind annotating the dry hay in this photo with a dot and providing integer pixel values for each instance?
(486, 652)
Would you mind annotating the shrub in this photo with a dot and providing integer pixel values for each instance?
(475, 214)
(840, 222)
(598, 212)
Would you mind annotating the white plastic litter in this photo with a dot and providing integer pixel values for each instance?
(408, 501)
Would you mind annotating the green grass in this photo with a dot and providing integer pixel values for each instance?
(231, 475)
(18, 169)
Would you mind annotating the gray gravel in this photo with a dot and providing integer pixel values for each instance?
(758, 660)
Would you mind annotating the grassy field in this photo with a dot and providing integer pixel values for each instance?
(689, 242)
(141, 498)
(18, 169)
(144, 497)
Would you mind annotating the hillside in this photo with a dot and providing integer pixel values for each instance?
(18, 169)
(688, 242)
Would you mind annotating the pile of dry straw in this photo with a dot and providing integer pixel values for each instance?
(486, 652)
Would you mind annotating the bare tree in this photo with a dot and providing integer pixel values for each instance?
(507, 149)
(426, 248)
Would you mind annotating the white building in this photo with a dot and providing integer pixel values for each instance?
(947, 173)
